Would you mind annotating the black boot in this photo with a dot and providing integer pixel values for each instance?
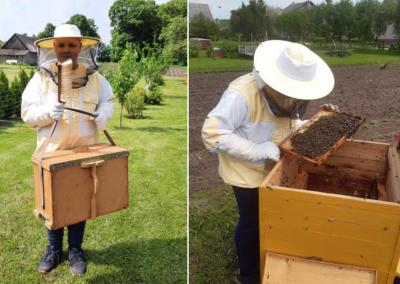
(77, 261)
(50, 260)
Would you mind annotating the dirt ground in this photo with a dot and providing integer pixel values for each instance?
(365, 90)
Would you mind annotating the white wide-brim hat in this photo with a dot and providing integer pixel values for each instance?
(66, 31)
(293, 70)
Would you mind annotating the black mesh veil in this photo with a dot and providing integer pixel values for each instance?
(87, 58)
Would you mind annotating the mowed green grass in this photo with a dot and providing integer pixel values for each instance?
(145, 243)
(12, 70)
(213, 216)
(203, 64)
(362, 56)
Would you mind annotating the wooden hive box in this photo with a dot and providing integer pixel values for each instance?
(81, 184)
(324, 212)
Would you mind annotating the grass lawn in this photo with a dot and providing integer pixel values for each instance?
(11, 70)
(145, 243)
(204, 64)
(213, 217)
(362, 56)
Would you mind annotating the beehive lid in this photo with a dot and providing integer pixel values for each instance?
(74, 157)
(287, 147)
(280, 269)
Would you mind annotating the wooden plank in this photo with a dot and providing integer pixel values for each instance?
(340, 171)
(382, 190)
(275, 174)
(367, 145)
(353, 151)
(300, 180)
(359, 164)
(283, 175)
(334, 226)
(299, 196)
(305, 243)
(393, 178)
(288, 269)
(350, 214)
(395, 262)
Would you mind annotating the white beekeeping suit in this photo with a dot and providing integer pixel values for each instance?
(91, 92)
(258, 110)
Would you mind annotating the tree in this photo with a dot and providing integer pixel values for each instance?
(172, 9)
(104, 53)
(18, 89)
(343, 19)
(85, 25)
(296, 25)
(15, 94)
(174, 38)
(224, 28)
(126, 77)
(133, 21)
(319, 25)
(202, 27)
(251, 21)
(47, 32)
(152, 66)
(365, 16)
(4, 95)
(380, 22)
(396, 20)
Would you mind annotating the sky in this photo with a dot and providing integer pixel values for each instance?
(221, 9)
(30, 17)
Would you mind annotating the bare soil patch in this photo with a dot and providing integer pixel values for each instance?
(364, 90)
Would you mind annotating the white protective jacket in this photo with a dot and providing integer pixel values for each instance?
(74, 129)
(237, 126)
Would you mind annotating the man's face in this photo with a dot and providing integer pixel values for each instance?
(286, 106)
(67, 48)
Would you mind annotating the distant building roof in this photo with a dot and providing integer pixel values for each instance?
(299, 6)
(26, 41)
(197, 8)
(14, 52)
(390, 33)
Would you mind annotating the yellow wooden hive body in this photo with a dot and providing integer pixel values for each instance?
(330, 227)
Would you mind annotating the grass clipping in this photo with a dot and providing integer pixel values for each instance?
(324, 133)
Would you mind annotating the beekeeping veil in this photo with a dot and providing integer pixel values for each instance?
(293, 75)
(47, 58)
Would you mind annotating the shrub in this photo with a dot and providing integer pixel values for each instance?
(5, 101)
(16, 90)
(230, 48)
(153, 64)
(209, 51)
(193, 51)
(153, 96)
(177, 52)
(135, 102)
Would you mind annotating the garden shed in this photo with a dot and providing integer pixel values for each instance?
(19, 47)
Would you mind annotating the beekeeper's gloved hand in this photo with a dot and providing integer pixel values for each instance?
(101, 120)
(330, 107)
(268, 150)
(56, 110)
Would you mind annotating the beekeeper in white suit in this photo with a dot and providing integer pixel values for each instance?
(255, 113)
(40, 109)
